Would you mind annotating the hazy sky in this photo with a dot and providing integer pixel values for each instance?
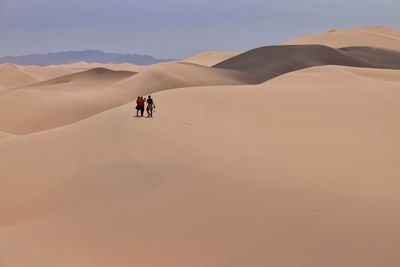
(177, 28)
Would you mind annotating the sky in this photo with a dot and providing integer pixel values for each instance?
(177, 28)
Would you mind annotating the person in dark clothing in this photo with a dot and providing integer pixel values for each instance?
(150, 107)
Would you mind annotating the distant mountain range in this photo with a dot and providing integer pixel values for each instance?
(92, 56)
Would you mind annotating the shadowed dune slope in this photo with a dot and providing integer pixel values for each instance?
(383, 58)
(277, 60)
(377, 36)
(305, 178)
(71, 98)
(12, 76)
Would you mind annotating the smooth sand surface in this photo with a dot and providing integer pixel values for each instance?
(305, 175)
(211, 58)
(377, 36)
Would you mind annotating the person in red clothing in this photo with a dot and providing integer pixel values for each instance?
(142, 102)
(138, 106)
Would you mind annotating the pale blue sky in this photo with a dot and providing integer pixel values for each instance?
(177, 28)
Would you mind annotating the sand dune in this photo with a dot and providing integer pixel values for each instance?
(60, 101)
(82, 65)
(47, 73)
(175, 75)
(371, 36)
(276, 60)
(211, 58)
(71, 98)
(55, 71)
(307, 175)
(85, 80)
(12, 76)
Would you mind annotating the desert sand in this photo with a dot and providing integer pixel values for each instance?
(234, 170)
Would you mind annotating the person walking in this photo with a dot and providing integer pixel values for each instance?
(150, 107)
(138, 106)
(142, 103)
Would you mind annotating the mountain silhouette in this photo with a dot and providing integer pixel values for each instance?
(91, 56)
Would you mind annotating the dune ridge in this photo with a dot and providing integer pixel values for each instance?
(375, 36)
(82, 65)
(210, 58)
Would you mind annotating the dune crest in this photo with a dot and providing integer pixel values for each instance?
(211, 58)
(86, 66)
(378, 36)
